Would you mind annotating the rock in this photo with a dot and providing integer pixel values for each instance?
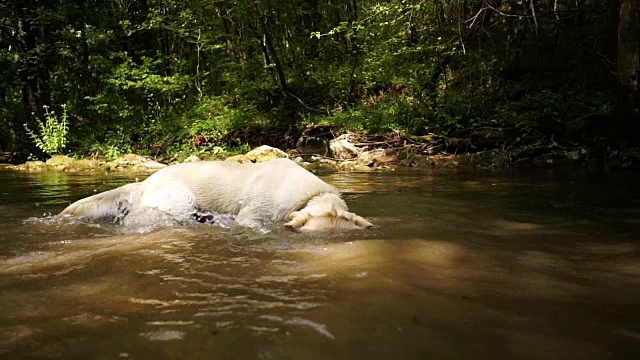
(135, 162)
(311, 145)
(243, 159)
(265, 153)
(321, 168)
(353, 165)
(489, 160)
(61, 163)
(374, 158)
(31, 166)
(192, 158)
(259, 154)
(341, 148)
(58, 160)
(82, 165)
(573, 155)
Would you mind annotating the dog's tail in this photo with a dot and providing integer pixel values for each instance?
(108, 205)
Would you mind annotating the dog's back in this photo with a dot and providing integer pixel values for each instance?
(284, 187)
(274, 188)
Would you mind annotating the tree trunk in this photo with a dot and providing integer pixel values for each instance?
(31, 74)
(430, 87)
(268, 42)
(311, 22)
(628, 107)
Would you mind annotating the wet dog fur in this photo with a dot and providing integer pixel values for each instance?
(258, 194)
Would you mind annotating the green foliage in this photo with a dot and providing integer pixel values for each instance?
(184, 76)
(116, 144)
(549, 113)
(204, 129)
(52, 133)
(215, 117)
(135, 91)
(395, 113)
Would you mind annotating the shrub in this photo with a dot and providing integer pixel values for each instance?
(52, 135)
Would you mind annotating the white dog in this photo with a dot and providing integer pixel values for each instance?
(274, 191)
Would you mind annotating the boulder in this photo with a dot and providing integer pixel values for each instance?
(265, 153)
(341, 148)
(374, 158)
(242, 159)
(311, 145)
(58, 160)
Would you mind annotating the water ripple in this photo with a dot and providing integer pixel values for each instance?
(167, 323)
(164, 335)
(318, 327)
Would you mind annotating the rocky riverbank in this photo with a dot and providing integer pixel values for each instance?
(323, 156)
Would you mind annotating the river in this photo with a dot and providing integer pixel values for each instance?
(527, 265)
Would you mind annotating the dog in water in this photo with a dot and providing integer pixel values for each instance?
(269, 192)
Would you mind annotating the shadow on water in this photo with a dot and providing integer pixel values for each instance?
(537, 265)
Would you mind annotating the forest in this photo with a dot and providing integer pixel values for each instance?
(158, 77)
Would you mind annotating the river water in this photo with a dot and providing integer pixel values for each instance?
(532, 265)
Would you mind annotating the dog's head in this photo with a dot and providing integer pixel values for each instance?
(326, 212)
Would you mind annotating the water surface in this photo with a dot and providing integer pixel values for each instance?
(534, 265)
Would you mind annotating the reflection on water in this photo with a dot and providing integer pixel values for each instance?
(541, 265)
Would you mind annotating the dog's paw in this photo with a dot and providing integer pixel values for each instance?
(297, 220)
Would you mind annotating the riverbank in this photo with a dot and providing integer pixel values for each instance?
(351, 152)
